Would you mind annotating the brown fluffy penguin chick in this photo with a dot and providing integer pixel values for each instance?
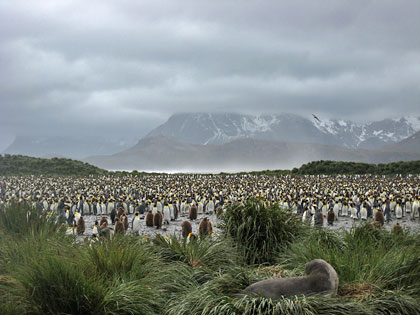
(104, 230)
(205, 228)
(379, 217)
(330, 217)
(119, 227)
(186, 228)
(103, 220)
(157, 220)
(124, 220)
(397, 228)
(81, 226)
(149, 219)
(193, 213)
(121, 212)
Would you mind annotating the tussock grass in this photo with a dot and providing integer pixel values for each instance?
(259, 230)
(44, 271)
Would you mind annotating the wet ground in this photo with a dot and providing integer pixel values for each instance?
(174, 227)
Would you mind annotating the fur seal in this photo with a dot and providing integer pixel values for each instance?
(186, 228)
(321, 278)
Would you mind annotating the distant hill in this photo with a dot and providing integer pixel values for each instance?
(11, 165)
(163, 153)
(69, 147)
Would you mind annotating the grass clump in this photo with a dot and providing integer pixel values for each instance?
(44, 271)
(259, 230)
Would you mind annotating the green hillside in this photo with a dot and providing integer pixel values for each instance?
(11, 165)
(351, 168)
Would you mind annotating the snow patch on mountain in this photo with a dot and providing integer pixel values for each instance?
(219, 128)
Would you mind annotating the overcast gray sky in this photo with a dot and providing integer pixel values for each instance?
(117, 68)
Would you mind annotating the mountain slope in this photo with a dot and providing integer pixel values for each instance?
(206, 128)
(411, 144)
(76, 148)
(169, 154)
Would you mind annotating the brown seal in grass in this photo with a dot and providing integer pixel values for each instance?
(321, 278)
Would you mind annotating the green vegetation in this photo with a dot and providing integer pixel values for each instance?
(260, 230)
(19, 165)
(44, 271)
(352, 168)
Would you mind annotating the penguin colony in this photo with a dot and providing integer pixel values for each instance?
(159, 200)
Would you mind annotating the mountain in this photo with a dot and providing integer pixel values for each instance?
(207, 128)
(168, 154)
(411, 144)
(76, 148)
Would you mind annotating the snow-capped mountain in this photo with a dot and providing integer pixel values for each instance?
(207, 128)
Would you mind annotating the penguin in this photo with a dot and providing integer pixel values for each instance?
(353, 211)
(113, 215)
(331, 216)
(363, 212)
(173, 212)
(157, 220)
(103, 220)
(205, 227)
(379, 217)
(186, 228)
(166, 215)
(95, 229)
(77, 216)
(210, 207)
(192, 237)
(81, 226)
(136, 224)
(200, 208)
(119, 227)
(318, 218)
(337, 209)
(120, 212)
(398, 211)
(149, 218)
(397, 228)
(124, 220)
(193, 213)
